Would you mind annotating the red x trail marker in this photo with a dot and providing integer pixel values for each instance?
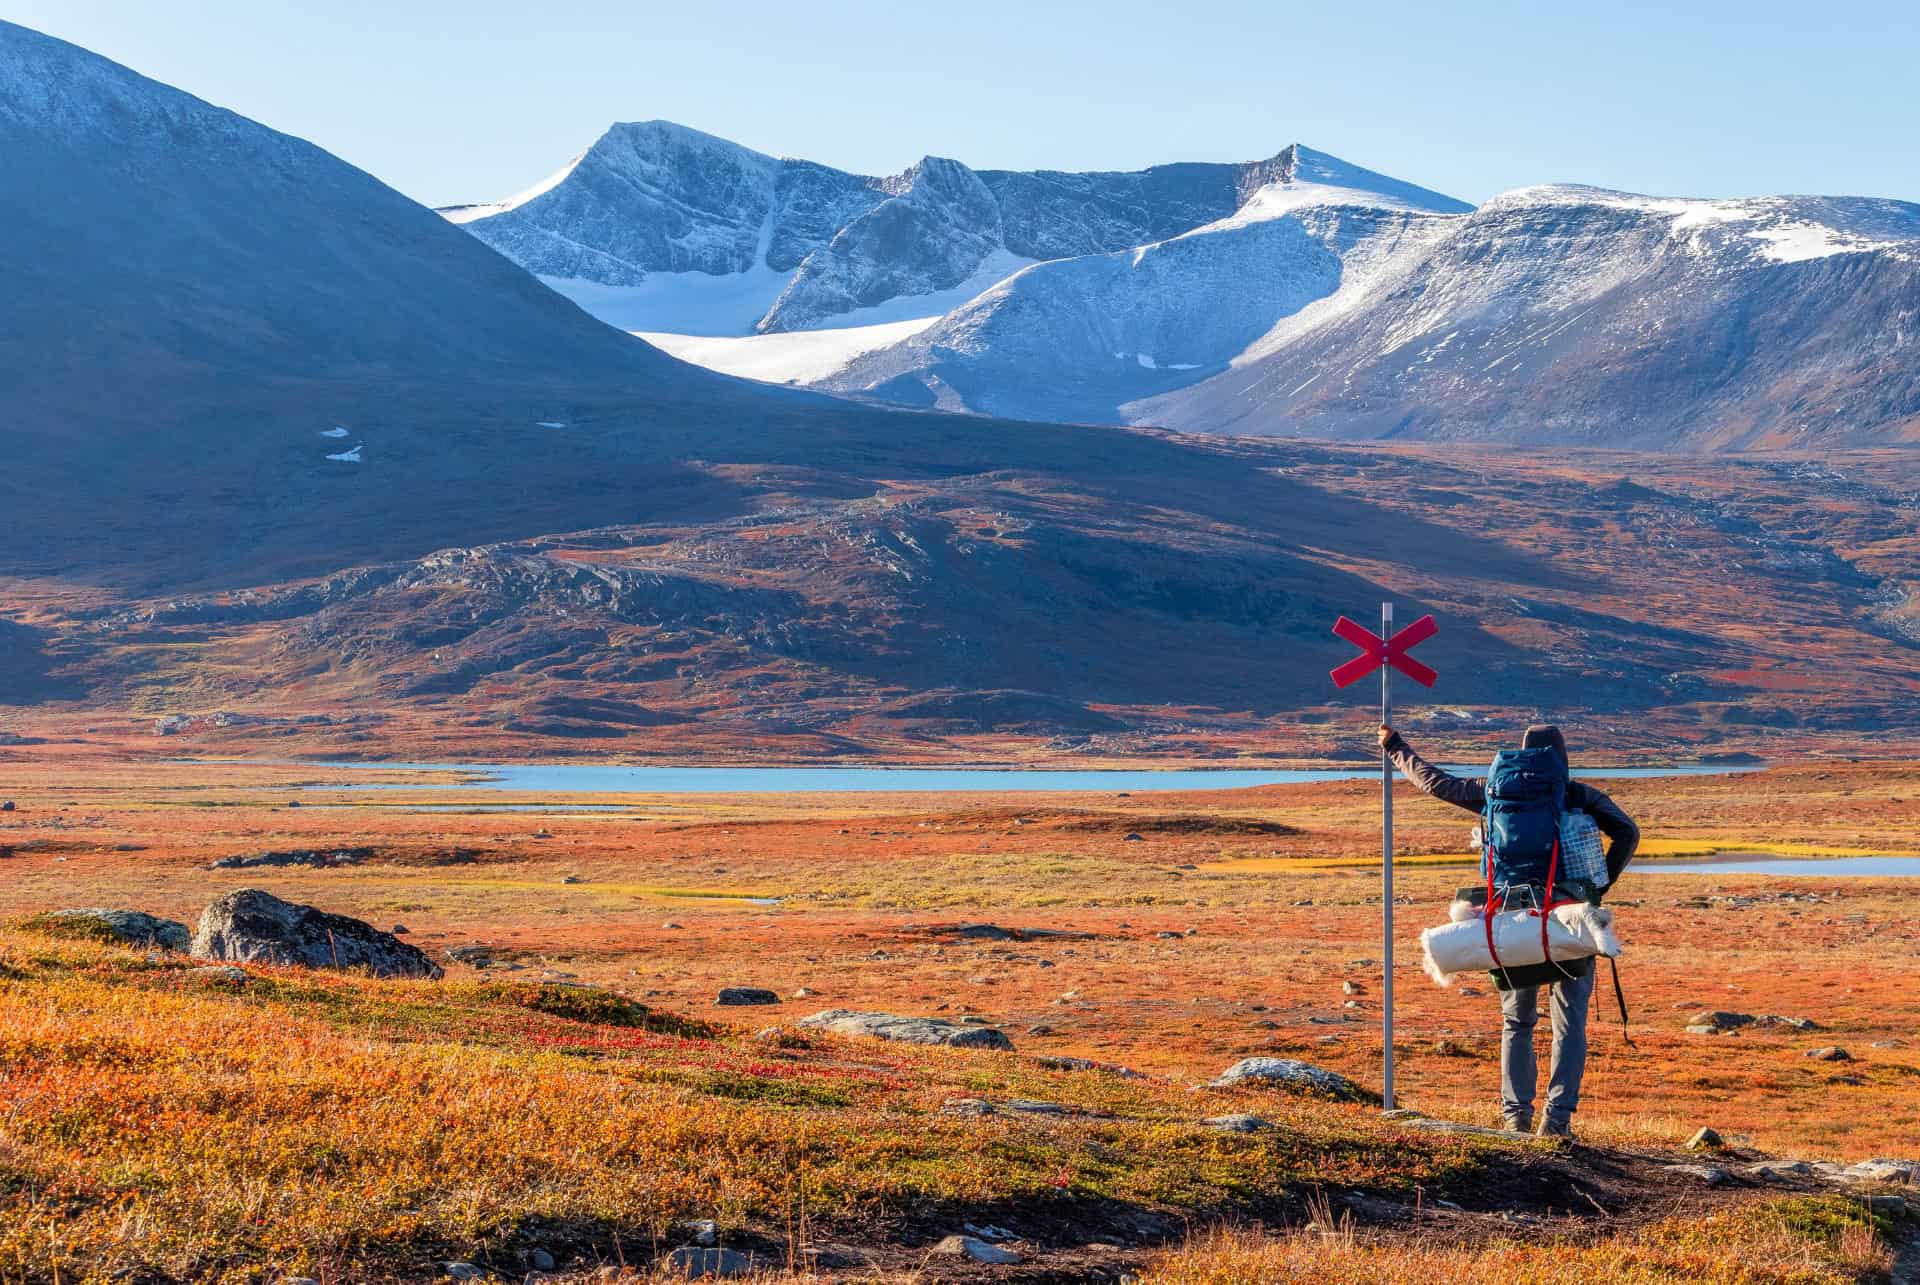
(1377, 651)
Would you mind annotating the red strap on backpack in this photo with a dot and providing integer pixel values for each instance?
(1486, 919)
(1553, 869)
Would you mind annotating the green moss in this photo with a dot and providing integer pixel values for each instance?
(1824, 1219)
(595, 1007)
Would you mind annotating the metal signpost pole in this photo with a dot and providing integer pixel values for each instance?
(1387, 652)
(1386, 872)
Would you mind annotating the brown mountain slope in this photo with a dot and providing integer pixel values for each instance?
(1151, 594)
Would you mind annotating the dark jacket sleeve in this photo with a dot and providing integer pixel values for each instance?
(1623, 836)
(1444, 786)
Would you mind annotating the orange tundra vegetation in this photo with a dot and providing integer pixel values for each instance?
(584, 1096)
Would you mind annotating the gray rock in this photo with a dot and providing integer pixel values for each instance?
(1717, 1022)
(1712, 1175)
(745, 996)
(907, 1030)
(695, 1262)
(540, 1260)
(255, 926)
(1832, 1053)
(1880, 1170)
(976, 1249)
(462, 1271)
(134, 927)
(1084, 1064)
(1237, 1123)
(1289, 1073)
(1465, 1130)
(219, 974)
(1781, 1169)
(1704, 1139)
(702, 1231)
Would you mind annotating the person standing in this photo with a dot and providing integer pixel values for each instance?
(1570, 982)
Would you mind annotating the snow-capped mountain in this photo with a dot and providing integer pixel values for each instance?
(1586, 316)
(1079, 338)
(658, 227)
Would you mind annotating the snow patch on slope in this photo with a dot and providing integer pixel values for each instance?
(468, 213)
(795, 356)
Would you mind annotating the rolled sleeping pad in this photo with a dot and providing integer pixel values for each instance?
(1460, 946)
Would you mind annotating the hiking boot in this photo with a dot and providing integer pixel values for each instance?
(1557, 1126)
(1515, 1122)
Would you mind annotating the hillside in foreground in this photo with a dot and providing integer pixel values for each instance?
(572, 1090)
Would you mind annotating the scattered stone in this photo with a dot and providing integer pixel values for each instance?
(1042, 1029)
(1237, 1123)
(1288, 1072)
(670, 925)
(540, 1260)
(1087, 1064)
(1704, 1139)
(1448, 1046)
(254, 926)
(474, 956)
(1887, 1044)
(804, 993)
(989, 1231)
(1794, 1023)
(701, 1231)
(219, 975)
(1780, 1169)
(745, 996)
(7, 806)
(462, 1271)
(1135, 838)
(1884, 1171)
(1469, 991)
(401, 930)
(1717, 1023)
(1349, 988)
(976, 1249)
(571, 878)
(1403, 1113)
(968, 1107)
(908, 1030)
(1832, 1053)
(1168, 936)
(1712, 1175)
(696, 1262)
(134, 927)
(1466, 1130)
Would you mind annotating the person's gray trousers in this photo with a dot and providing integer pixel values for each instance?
(1519, 1067)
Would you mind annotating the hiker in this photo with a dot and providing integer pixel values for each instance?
(1572, 981)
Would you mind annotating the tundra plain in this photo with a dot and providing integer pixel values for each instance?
(583, 1094)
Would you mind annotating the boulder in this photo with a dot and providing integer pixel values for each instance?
(976, 1249)
(907, 1030)
(1717, 1023)
(745, 996)
(1703, 1140)
(134, 927)
(1832, 1053)
(1237, 1123)
(254, 926)
(1288, 1073)
(694, 1262)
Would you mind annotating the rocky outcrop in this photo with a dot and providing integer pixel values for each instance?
(1288, 1073)
(251, 926)
(907, 1030)
(133, 927)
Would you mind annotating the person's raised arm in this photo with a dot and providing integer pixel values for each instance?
(1442, 785)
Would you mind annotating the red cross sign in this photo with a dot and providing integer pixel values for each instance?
(1377, 651)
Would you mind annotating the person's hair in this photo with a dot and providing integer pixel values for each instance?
(1542, 735)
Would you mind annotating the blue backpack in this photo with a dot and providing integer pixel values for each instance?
(1526, 793)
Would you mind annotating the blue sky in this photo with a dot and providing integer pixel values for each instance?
(474, 100)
